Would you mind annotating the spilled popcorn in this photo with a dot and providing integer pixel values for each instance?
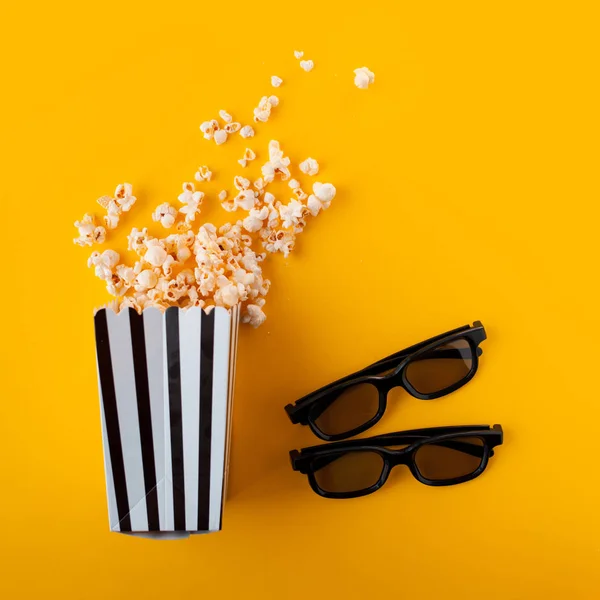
(200, 264)
(363, 78)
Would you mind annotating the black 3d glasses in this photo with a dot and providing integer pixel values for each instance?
(428, 370)
(435, 456)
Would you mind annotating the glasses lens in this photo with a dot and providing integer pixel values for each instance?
(450, 459)
(354, 407)
(441, 367)
(349, 472)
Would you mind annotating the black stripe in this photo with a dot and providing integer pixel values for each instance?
(111, 418)
(207, 347)
(142, 392)
(173, 364)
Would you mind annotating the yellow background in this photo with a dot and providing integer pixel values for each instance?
(467, 189)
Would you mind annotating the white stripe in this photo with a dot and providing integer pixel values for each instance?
(169, 522)
(235, 320)
(123, 373)
(189, 348)
(219, 414)
(153, 335)
(113, 514)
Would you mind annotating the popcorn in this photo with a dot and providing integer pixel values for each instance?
(291, 213)
(220, 137)
(259, 185)
(89, 232)
(241, 183)
(208, 128)
(300, 194)
(137, 240)
(104, 264)
(215, 266)
(203, 174)
(249, 155)
(245, 199)
(280, 241)
(277, 164)
(192, 208)
(113, 208)
(124, 197)
(165, 214)
(324, 192)
(320, 199)
(298, 54)
(263, 111)
(254, 315)
(363, 77)
(225, 116)
(246, 131)
(145, 280)
(254, 221)
(232, 127)
(309, 166)
(155, 255)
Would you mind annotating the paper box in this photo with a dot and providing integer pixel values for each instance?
(166, 389)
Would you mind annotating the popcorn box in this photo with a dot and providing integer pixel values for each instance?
(166, 389)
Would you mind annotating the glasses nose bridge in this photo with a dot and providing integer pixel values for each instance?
(398, 457)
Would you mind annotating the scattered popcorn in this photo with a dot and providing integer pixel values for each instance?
(232, 127)
(298, 54)
(191, 209)
(165, 214)
(104, 263)
(307, 65)
(363, 77)
(211, 266)
(291, 213)
(309, 166)
(124, 197)
(89, 232)
(246, 131)
(145, 280)
(259, 185)
(276, 165)
(225, 116)
(324, 192)
(263, 111)
(254, 315)
(249, 155)
(254, 221)
(208, 128)
(203, 174)
(300, 194)
(280, 241)
(113, 211)
(241, 183)
(220, 137)
(155, 255)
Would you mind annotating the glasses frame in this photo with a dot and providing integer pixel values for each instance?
(303, 460)
(303, 411)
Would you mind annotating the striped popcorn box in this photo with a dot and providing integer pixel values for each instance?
(166, 389)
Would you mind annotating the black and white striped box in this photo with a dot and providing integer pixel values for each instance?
(166, 390)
